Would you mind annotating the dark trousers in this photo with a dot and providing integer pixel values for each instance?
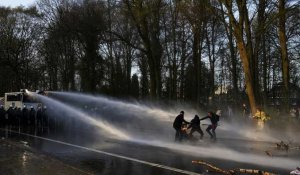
(178, 134)
(2, 122)
(213, 128)
(197, 129)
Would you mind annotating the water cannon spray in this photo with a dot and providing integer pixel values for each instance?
(41, 92)
(25, 91)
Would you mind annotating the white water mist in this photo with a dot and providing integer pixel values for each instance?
(159, 119)
(224, 153)
(80, 115)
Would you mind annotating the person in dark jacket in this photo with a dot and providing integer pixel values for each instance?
(177, 124)
(10, 116)
(25, 116)
(39, 115)
(2, 116)
(246, 111)
(18, 117)
(45, 119)
(214, 118)
(32, 115)
(15, 117)
(195, 125)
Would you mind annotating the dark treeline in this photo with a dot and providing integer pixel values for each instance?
(198, 51)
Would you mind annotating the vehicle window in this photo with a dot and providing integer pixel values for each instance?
(16, 97)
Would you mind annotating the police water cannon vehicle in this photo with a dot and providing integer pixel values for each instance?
(21, 99)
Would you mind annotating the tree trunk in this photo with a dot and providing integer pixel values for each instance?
(265, 68)
(196, 59)
(238, 32)
(253, 60)
(88, 69)
(284, 52)
(248, 77)
(233, 58)
(211, 57)
(147, 23)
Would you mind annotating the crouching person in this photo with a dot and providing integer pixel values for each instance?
(195, 125)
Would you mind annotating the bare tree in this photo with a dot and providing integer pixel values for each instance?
(240, 28)
(283, 50)
(146, 16)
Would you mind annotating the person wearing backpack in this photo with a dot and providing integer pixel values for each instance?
(214, 118)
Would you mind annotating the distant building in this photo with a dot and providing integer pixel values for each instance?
(276, 95)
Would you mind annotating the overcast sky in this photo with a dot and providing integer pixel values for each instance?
(15, 3)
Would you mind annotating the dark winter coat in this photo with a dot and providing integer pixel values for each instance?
(39, 114)
(195, 123)
(178, 121)
(32, 114)
(10, 114)
(19, 114)
(25, 115)
(2, 113)
(214, 119)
